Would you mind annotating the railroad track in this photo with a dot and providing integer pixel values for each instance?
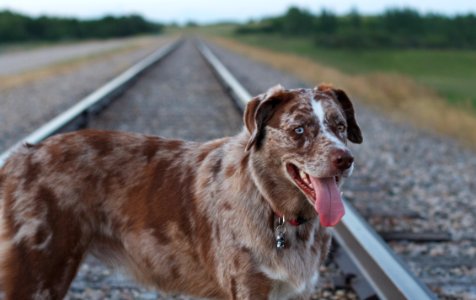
(366, 262)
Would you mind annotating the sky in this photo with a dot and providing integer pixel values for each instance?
(207, 11)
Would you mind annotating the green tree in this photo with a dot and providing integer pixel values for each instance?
(16, 27)
(298, 22)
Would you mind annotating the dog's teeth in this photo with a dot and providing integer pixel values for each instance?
(305, 177)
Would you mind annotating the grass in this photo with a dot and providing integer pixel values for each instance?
(396, 94)
(451, 73)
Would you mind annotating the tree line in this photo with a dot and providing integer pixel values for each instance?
(395, 28)
(15, 27)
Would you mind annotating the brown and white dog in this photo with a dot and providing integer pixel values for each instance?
(194, 218)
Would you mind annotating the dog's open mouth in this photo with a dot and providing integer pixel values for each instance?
(323, 191)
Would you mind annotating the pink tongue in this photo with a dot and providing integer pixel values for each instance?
(328, 203)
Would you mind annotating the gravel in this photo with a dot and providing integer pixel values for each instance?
(409, 180)
(179, 98)
(28, 106)
(14, 62)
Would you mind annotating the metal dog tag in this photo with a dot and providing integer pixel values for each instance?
(280, 232)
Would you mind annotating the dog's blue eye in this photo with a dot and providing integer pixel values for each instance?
(299, 130)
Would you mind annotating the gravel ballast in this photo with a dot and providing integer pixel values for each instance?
(13, 62)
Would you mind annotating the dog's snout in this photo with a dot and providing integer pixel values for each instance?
(342, 159)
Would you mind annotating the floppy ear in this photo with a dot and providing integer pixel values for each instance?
(249, 116)
(259, 111)
(353, 130)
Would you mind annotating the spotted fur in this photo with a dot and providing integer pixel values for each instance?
(193, 218)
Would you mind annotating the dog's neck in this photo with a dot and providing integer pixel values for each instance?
(252, 171)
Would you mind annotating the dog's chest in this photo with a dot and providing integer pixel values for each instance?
(295, 269)
(288, 284)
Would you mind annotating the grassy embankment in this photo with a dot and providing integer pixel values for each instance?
(452, 73)
(432, 89)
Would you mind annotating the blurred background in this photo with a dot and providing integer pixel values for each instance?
(390, 53)
(409, 66)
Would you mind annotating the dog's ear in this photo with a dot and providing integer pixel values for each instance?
(249, 116)
(259, 110)
(353, 130)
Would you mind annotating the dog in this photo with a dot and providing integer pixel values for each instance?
(242, 217)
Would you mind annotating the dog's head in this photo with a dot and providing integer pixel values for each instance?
(298, 149)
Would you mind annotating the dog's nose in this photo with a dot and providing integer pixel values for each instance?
(342, 159)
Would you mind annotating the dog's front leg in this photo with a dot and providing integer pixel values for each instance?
(249, 286)
(243, 279)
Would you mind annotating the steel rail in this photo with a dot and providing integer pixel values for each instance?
(232, 86)
(382, 269)
(94, 102)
